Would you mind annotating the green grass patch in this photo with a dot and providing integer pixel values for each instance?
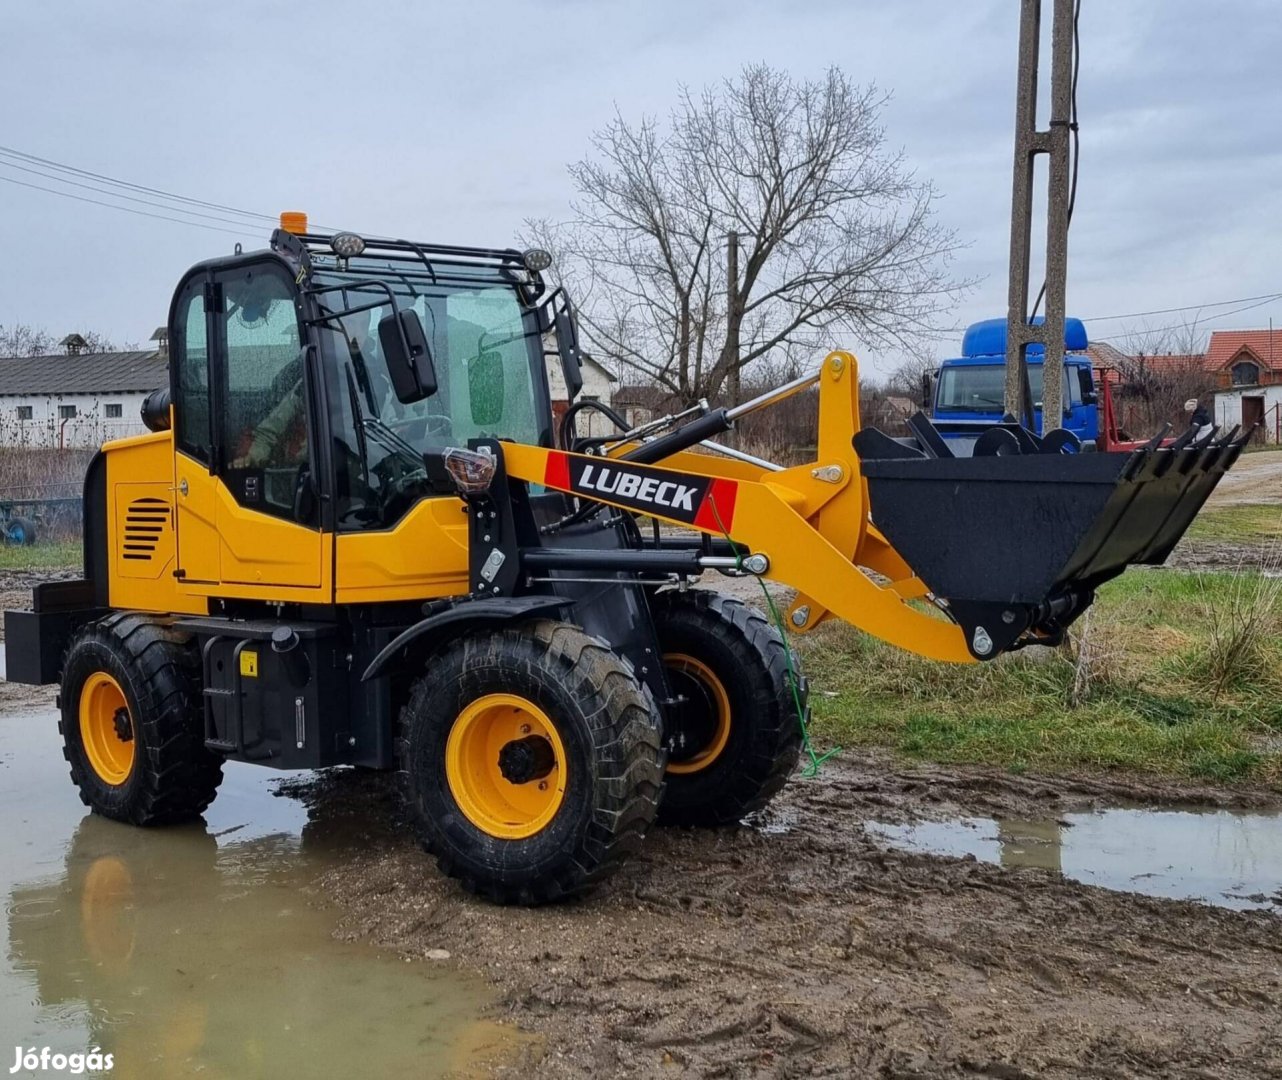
(1182, 677)
(1247, 521)
(51, 555)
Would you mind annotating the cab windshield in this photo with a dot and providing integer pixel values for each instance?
(488, 358)
(982, 388)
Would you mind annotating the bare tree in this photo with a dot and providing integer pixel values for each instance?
(1187, 338)
(908, 380)
(96, 342)
(828, 227)
(1161, 368)
(23, 340)
(20, 339)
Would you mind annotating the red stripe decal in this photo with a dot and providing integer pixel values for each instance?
(556, 474)
(721, 495)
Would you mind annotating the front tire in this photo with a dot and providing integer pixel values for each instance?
(735, 739)
(131, 722)
(531, 762)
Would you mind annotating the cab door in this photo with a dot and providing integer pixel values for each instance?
(245, 485)
(194, 486)
(267, 508)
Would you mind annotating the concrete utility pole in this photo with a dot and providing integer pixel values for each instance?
(1029, 142)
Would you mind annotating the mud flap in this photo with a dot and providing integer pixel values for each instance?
(1014, 545)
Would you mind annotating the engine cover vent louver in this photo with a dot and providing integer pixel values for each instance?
(145, 521)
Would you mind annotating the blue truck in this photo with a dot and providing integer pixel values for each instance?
(968, 392)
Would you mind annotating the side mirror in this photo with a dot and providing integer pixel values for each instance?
(567, 339)
(927, 391)
(1090, 398)
(408, 355)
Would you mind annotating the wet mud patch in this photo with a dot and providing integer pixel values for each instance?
(805, 946)
(1228, 858)
(201, 949)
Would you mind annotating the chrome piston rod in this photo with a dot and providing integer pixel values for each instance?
(779, 393)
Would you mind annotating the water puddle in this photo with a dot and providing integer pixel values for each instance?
(193, 950)
(1227, 858)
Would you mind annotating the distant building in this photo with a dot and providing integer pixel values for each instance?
(639, 403)
(1248, 368)
(76, 398)
(1143, 367)
(597, 384)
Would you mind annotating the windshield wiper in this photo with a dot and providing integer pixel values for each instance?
(374, 425)
(354, 398)
(392, 438)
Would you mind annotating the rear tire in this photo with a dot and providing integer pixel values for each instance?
(20, 532)
(582, 764)
(733, 745)
(131, 722)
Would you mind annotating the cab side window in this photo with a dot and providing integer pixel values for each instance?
(264, 396)
(191, 373)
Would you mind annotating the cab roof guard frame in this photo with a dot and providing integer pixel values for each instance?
(436, 274)
(429, 255)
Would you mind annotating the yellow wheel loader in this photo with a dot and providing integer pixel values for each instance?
(353, 536)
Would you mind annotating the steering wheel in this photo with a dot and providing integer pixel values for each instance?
(419, 429)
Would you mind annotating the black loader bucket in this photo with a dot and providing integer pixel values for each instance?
(1014, 543)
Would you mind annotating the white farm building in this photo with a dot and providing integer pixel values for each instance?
(76, 399)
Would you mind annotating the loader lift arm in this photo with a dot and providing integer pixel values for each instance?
(1009, 546)
(810, 522)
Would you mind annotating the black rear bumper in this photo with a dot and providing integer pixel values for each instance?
(36, 640)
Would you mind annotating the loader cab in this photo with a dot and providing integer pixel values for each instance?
(292, 422)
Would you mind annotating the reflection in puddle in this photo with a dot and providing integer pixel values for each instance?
(1221, 857)
(194, 949)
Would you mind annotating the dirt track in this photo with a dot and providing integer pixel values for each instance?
(803, 948)
(1254, 478)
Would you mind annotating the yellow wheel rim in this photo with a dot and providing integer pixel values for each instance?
(107, 729)
(491, 801)
(106, 900)
(720, 700)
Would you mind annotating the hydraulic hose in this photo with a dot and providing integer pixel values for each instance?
(566, 434)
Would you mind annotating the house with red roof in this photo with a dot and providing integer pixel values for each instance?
(1246, 357)
(1247, 365)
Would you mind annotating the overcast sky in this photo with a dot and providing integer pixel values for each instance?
(453, 122)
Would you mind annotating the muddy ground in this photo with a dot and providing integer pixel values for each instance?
(800, 947)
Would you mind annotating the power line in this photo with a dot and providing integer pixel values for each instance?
(121, 195)
(126, 209)
(8, 151)
(1264, 298)
(1209, 318)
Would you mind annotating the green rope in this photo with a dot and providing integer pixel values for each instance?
(811, 769)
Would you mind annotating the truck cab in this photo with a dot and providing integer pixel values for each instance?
(969, 390)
